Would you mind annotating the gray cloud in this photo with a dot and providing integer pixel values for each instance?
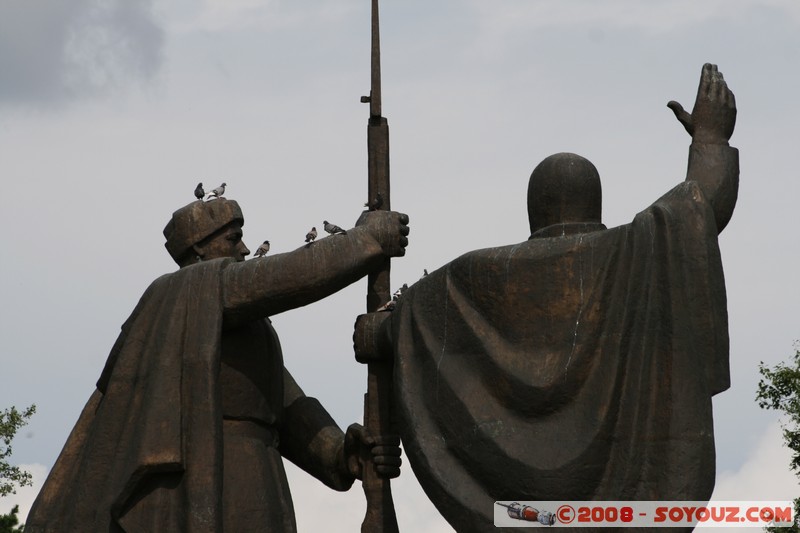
(53, 51)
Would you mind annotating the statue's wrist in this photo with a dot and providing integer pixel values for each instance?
(710, 140)
(710, 136)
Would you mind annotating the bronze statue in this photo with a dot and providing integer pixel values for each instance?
(194, 408)
(579, 364)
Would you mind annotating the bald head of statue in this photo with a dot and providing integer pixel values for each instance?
(564, 191)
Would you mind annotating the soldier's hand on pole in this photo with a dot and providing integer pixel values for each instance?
(714, 115)
(389, 228)
(384, 449)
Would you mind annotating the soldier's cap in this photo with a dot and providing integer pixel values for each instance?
(195, 221)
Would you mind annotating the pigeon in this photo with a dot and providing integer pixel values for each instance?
(262, 250)
(424, 272)
(399, 292)
(218, 192)
(311, 235)
(375, 204)
(333, 229)
(388, 306)
(199, 192)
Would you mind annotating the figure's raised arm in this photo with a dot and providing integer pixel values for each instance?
(713, 164)
(269, 285)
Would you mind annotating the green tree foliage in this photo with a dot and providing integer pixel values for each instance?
(10, 521)
(779, 389)
(11, 476)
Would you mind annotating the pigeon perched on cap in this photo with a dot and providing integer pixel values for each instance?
(262, 250)
(199, 192)
(311, 235)
(333, 229)
(218, 192)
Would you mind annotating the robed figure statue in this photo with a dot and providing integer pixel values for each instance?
(194, 409)
(579, 364)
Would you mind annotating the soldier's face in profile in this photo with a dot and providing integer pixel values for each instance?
(225, 243)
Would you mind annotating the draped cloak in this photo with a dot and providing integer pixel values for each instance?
(191, 416)
(575, 367)
(156, 411)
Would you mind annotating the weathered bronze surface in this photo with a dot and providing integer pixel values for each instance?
(194, 408)
(579, 364)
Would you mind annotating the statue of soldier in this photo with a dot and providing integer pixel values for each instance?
(579, 364)
(194, 408)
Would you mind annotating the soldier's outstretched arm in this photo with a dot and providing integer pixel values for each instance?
(713, 164)
(269, 285)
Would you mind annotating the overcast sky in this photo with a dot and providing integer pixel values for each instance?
(111, 111)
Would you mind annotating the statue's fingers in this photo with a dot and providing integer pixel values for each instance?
(682, 115)
(726, 95)
(387, 440)
(718, 85)
(390, 472)
(677, 109)
(360, 434)
(730, 99)
(717, 92)
(388, 451)
(710, 82)
(387, 460)
(706, 77)
(388, 466)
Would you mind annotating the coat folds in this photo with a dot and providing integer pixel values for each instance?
(577, 367)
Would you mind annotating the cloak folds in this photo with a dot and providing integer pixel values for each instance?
(578, 367)
(153, 423)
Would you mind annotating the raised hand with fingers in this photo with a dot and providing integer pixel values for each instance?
(714, 115)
